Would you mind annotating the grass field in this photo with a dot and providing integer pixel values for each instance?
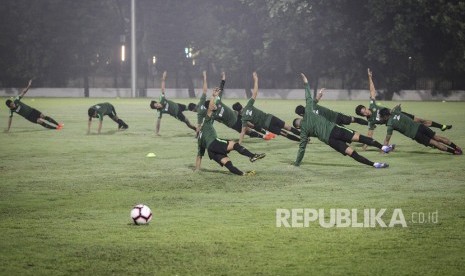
(65, 199)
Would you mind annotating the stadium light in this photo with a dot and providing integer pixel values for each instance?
(123, 53)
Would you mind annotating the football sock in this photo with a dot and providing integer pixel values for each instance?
(233, 169)
(450, 150)
(44, 124)
(436, 125)
(292, 137)
(452, 145)
(255, 134)
(361, 159)
(295, 131)
(360, 121)
(240, 149)
(369, 141)
(121, 123)
(50, 120)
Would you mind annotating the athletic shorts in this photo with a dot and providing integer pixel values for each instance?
(276, 125)
(408, 115)
(342, 119)
(180, 115)
(33, 116)
(339, 138)
(112, 114)
(424, 135)
(218, 150)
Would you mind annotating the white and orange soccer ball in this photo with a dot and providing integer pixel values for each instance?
(141, 214)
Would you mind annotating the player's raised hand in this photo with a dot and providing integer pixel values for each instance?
(370, 74)
(304, 78)
(164, 75)
(321, 90)
(223, 75)
(255, 76)
(204, 74)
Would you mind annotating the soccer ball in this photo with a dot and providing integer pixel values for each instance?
(141, 214)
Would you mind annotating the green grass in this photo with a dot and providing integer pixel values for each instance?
(65, 199)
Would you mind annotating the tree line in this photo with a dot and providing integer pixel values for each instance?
(66, 43)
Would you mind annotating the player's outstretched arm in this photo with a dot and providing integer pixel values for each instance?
(304, 78)
(10, 119)
(320, 94)
(157, 127)
(163, 79)
(387, 139)
(100, 123)
(26, 89)
(205, 85)
(255, 85)
(89, 123)
(372, 85)
(198, 162)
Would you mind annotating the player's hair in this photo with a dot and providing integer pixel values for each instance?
(300, 110)
(8, 102)
(152, 104)
(237, 106)
(191, 106)
(206, 104)
(294, 123)
(91, 112)
(384, 112)
(358, 110)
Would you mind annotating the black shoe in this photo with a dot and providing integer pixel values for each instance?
(444, 127)
(257, 156)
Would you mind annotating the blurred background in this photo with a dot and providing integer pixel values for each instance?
(409, 44)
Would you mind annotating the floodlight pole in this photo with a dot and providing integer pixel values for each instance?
(133, 49)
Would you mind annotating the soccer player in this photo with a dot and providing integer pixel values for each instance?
(224, 114)
(337, 137)
(258, 118)
(166, 106)
(217, 148)
(100, 110)
(373, 116)
(330, 115)
(31, 114)
(396, 120)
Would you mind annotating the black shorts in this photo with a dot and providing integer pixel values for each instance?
(33, 116)
(408, 115)
(218, 150)
(112, 114)
(342, 119)
(276, 125)
(339, 138)
(424, 135)
(180, 116)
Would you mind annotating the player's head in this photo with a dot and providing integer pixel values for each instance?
(155, 105)
(300, 110)
(384, 114)
(237, 106)
(192, 107)
(361, 110)
(10, 104)
(297, 123)
(91, 112)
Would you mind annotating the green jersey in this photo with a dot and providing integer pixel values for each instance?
(201, 109)
(312, 125)
(374, 119)
(329, 114)
(206, 136)
(103, 109)
(402, 123)
(223, 113)
(255, 116)
(21, 108)
(169, 107)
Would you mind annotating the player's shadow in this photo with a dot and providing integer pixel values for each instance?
(306, 163)
(210, 170)
(28, 130)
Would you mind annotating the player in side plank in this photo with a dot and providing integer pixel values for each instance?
(335, 136)
(373, 116)
(31, 114)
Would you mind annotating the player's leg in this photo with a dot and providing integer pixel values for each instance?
(180, 116)
(279, 127)
(428, 123)
(341, 147)
(428, 138)
(343, 119)
(448, 143)
(243, 151)
(357, 137)
(37, 117)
